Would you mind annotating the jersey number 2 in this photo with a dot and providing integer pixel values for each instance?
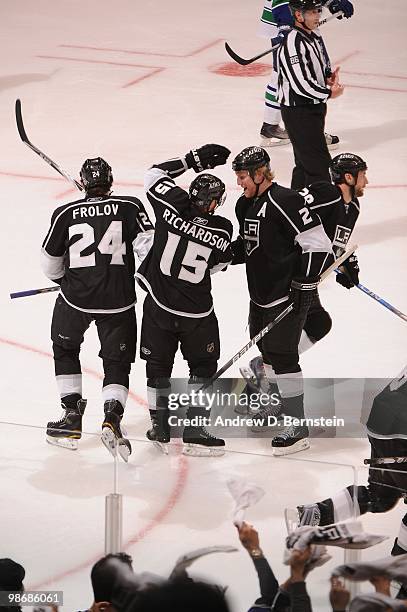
(110, 244)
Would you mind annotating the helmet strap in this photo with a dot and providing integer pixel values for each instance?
(251, 174)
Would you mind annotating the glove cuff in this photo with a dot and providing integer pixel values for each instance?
(193, 161)
(309, 284)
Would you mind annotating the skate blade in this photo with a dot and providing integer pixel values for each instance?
(113, 445)
(162, 446)
(68, 443)
(198, 450)
(279, 451)
(291, 519)
(274, 142)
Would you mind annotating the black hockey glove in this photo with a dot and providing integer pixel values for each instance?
(350, 277)
(341, 5)
(206, 157)
(302, 292)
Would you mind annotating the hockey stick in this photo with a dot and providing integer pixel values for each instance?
(382, 301)
(385, 460)
(24, 138)
(245, 62)
(377, 298)
(19, 294)
(274, 322)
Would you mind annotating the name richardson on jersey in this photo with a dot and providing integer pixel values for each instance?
(95, 210)
(190, 229)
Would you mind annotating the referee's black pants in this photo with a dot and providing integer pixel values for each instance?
(306, 128)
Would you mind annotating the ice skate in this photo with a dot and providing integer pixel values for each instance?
(200, 443)
(112, 436)
(332, 141)
(68, 430)
(256, 382)
(272, 135)
(159, 433)
(267, 416)
(291, 440)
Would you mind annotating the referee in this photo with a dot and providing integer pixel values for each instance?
(305, 82)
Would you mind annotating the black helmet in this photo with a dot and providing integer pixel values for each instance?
(346, 163)
(250, 159)
(96, 172)
(205, 188)
(304, 5)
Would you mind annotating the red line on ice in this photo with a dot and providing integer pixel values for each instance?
(377, 74)
(145, 76)
(181, 479)
(93, 61)
(131, 52)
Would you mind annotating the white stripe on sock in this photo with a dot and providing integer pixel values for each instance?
(345, 506)
(115, 392)
(68, 384)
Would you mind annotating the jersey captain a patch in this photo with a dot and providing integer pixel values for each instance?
(251, 235)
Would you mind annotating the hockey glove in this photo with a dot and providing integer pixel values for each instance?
(206, 157)
(282, 33)
(302, 292)
(341, 5)
(350, 277)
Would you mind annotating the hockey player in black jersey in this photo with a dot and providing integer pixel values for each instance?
(337, 206)
(89, 251)
(190, 244)
(285, 249)
(387, 434)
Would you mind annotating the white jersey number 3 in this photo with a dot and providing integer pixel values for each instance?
(194, 263)
(110, 244)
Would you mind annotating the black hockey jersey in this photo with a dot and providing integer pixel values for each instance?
(388, 417)
(90, 245)
(188, 246)
(337, 217)
(280, 238)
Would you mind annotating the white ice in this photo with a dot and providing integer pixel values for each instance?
(78, 68)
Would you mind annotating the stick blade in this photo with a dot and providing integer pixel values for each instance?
(236, 57)
(19, 121)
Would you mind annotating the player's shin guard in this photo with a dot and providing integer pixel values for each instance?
(198, 442)
(158, 391)
(68, 430)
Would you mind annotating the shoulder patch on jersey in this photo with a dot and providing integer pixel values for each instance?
(342, 235)
(294, 59)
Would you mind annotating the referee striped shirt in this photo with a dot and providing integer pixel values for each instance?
(303, 65)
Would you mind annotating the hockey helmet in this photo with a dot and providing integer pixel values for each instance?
(96, 172)
(250, 159)
(205, 188)
(346, 163)
(304, 5)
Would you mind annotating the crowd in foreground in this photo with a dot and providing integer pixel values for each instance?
(116, 588)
